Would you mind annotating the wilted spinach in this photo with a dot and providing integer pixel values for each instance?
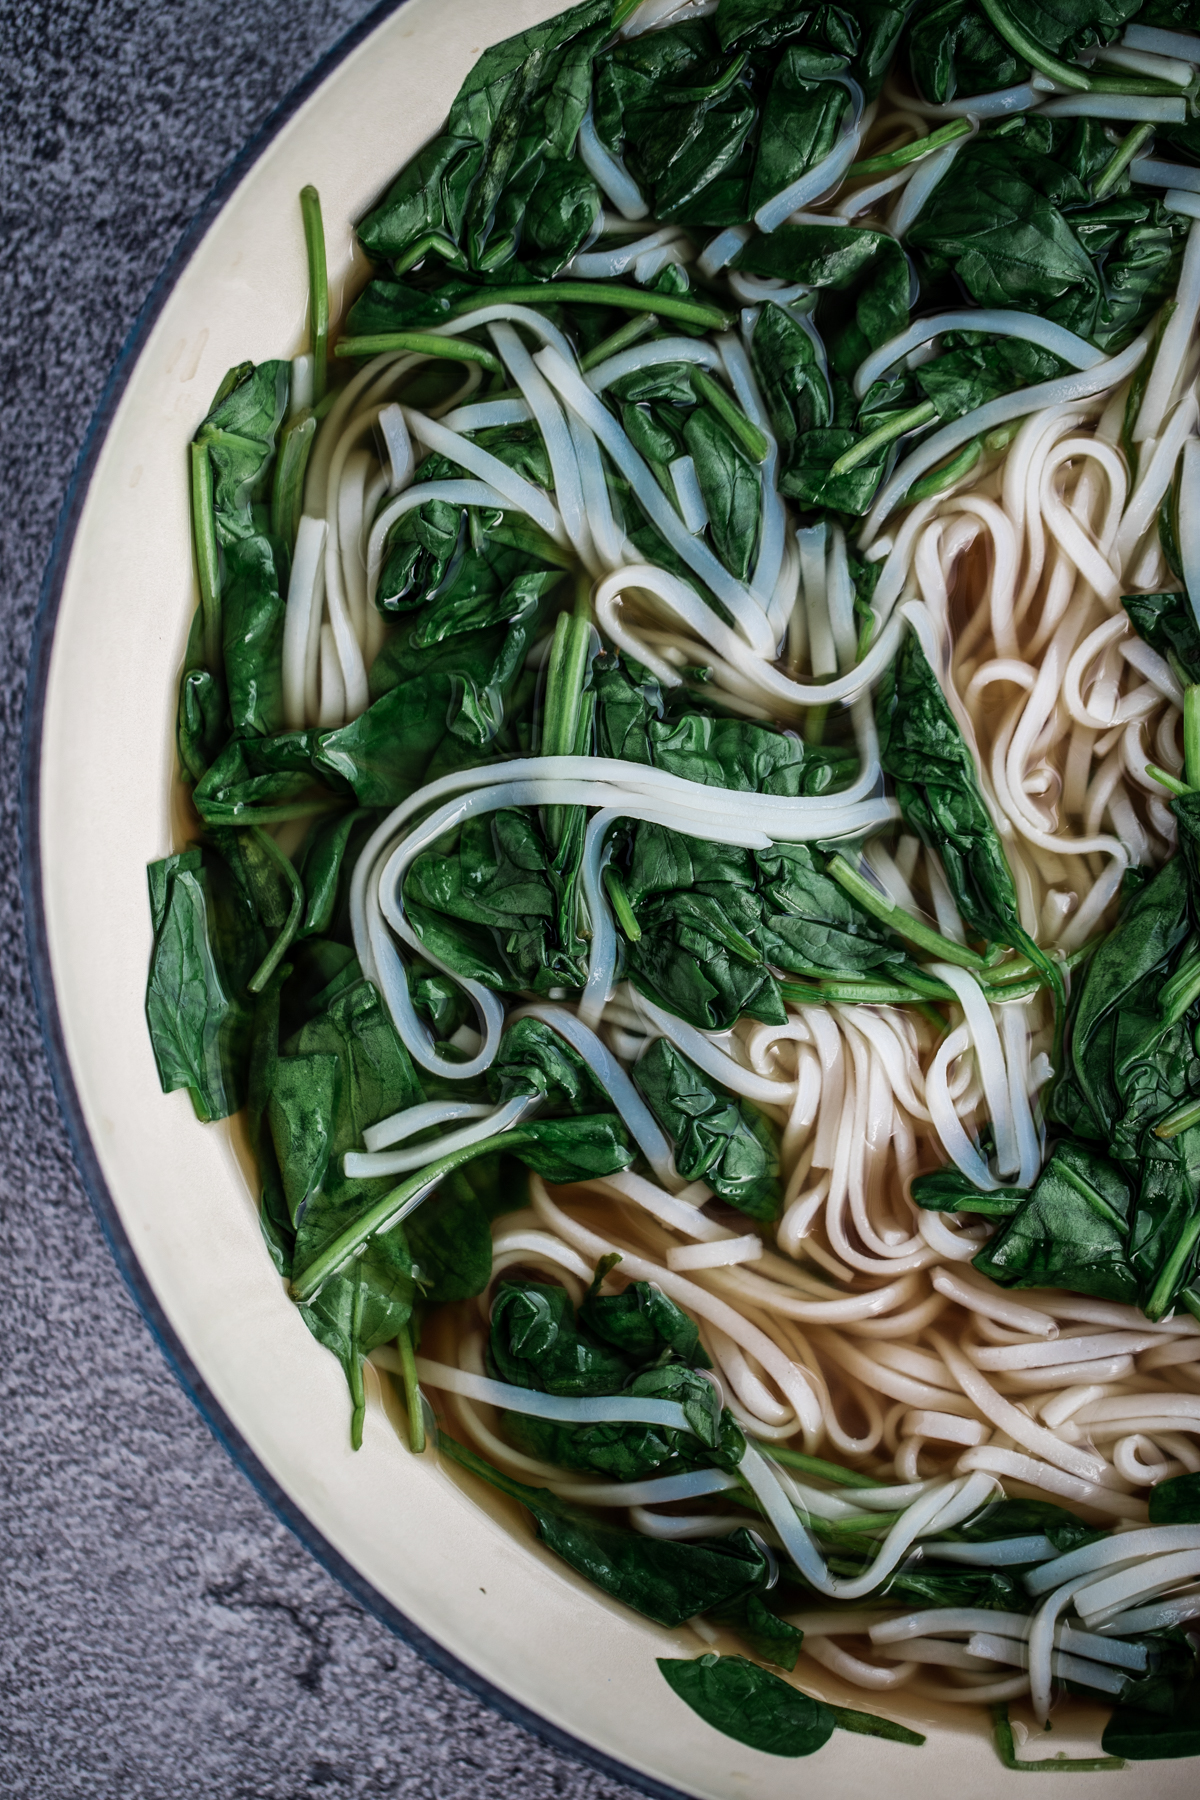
(924, 752)
(718, 1137)
(757, 1708)
(667, 1582)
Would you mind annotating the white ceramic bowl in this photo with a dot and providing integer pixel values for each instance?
(467, 1585)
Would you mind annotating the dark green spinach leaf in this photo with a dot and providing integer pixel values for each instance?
(718, 1137)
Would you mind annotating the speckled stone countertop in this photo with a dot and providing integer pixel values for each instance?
(162, 1635)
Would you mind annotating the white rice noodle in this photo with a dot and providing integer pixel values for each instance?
(622, 1409)
(852, 1668)
(331, 711)
(700, 559)
(422, 1117)
(721, 1255)
(1063, 389)
(682, 1528)
(1160, 42)
(1147, 496)
(994, 1648)
(609, 173)
(926, 177)
(715, 1062)
(721, 250)
(368, 1165)
(606, 535)
(825, 175)
(302, 625)
(864, 199)
(1010, 1419)
(1151, 109)
(607, 265)
(996, 321)
(517, 492)
(998, 104)
(1149, 172)
(615, 1082)
(686, 608)
(1189, 522)
(1160, 1616)
(486, 413)
(1173, 348)
(756, 290)
(692, 509)
(655, 13)
(528, 317)
(548, 415)
(955, 1142)
(668, 1208)
(1141, 62)
(1028, 1470)
(794, 1382)
(660, 1490)
(650, 356)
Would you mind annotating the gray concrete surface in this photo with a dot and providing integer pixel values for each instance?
(162, 1635)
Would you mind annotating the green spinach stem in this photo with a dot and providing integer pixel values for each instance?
(1191, 736)
(946, 474)
(287, 492)
(882, 907)
(625, 916)
(563, 707)
(1066, 74)
(208, 566)
(884, 434)
(871, 1725)
(600, 293)
(1120, 160)
(287, 869)
(752, 440)
(388, 1211)
(632, 333)
(1179, 992)
(1171, 782)
(815, 1465)
(318, 287)
(900, 159)
(1161, 1299)
(424, 343)
(412, 1391)
(1182, 1119)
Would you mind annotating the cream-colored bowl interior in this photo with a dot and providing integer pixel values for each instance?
(467, 1578)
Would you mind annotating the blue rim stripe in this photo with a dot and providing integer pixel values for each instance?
(189, 1376)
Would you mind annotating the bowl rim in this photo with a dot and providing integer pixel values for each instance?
(87, 1161)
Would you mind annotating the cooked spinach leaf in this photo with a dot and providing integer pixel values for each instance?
(644, 1324)
(948, 1190)
(500, 181)
(1025, 1518)
(746, 1702)
(1070, 1233)
(924, 752)
(207, 944)
(667, 1582)
(535, 1343)
(766, 1634)
(718, 1137)
(1167, 623)
(1176, 1502)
